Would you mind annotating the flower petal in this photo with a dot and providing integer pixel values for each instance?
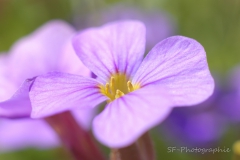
(6, 87)
(22, 133)
(125, 119)
(69, 62)
(19, 105)
(180, 64)
(116, 47)
(39, 52)
(57, 92)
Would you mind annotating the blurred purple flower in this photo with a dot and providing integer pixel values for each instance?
(24, 133)
(140, 92)
(47, 49)
(158, 24)
(230, 102)
(201, 125)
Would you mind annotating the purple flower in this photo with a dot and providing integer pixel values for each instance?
(47, 49)
(140, 92)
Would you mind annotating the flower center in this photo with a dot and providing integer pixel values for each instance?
(118, 85)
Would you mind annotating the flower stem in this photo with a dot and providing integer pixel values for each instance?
(78, 141)
(146, 146)
(142, 149)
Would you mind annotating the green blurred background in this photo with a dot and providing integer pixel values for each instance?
(214, 23)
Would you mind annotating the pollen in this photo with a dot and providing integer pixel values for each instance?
(117, 86)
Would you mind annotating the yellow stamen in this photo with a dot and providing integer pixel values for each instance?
(118, 94)
(112, 83)
(107, 88)
(130, 86)
(118, 85)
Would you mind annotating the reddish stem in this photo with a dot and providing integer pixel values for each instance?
(142, 149)
(78, 141)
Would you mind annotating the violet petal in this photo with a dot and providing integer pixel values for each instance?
(125, 119)
(116, 47)
(178, 63)
(57, 92)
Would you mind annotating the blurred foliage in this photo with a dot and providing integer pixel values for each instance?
(161, 147)
(18, 18)
(214, 23)
(34, 154)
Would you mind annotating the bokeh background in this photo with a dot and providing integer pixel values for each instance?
(214, 23)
